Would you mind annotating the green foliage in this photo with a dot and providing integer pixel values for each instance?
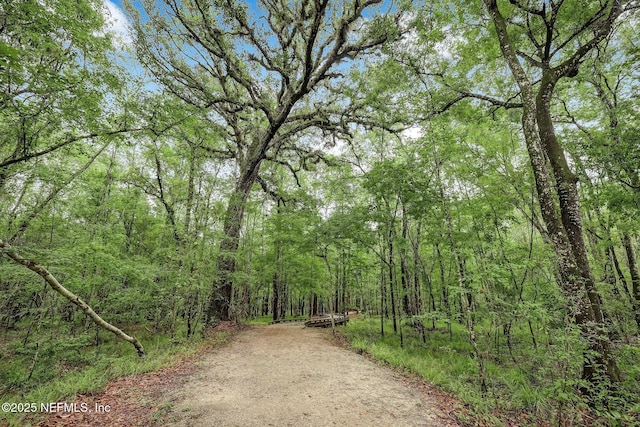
(441, 361)
(56, 76)
(541, 384)
(79, 366)
(356, 212)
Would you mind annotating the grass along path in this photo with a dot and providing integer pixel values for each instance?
(134, 389)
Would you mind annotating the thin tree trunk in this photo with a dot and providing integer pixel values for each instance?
(275, 302)
(171, 214)
(623, 280)
(405, 279)
(417, 262)
(445, 291)
(190, 191)
(390, 237)
(43, 204)
(383, 293)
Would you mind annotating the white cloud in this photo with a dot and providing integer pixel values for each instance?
(414, 132)
(446, 48)
(117, 24)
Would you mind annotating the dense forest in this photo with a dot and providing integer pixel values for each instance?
(466, 175)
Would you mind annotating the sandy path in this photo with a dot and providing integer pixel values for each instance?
(286, 375)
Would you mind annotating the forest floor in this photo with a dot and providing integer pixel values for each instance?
(283, 375)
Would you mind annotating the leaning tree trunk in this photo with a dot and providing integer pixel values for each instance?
(70, 296)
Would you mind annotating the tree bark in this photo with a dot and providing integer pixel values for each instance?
(598, 338)
(405, 279)
(564, 227)
(220, 297)
(390, 237)
(635, 274)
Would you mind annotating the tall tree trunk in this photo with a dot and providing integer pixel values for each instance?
(190, 191)
(564, 227)
(621, 278)
(314, 305)
(598, 337)
(325, 256)
(285, 297)
(171, 214)
(383, 292)
(275, 302)
(390, 236)
(405, 279)
(415, 243)
(445, 291)
(635, 274)
(220, 296)
(459, 259)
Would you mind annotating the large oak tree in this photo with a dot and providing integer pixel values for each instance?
(269, 75)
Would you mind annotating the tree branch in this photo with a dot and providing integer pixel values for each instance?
(70, 296)
(70, 140)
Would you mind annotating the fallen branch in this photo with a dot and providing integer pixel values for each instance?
(74, 299)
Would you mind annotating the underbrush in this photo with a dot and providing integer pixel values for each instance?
(526, 385)
(56, 368)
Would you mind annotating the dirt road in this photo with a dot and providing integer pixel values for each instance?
(286, 375)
